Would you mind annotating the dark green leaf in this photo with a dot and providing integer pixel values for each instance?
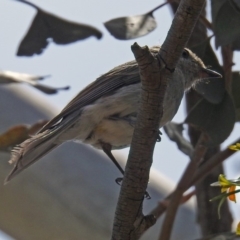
(212, 89)
(49, 90)
(219, 206)
(217, 120)
(226, 19)
(46, 27)
(236, 93)
(125, 28)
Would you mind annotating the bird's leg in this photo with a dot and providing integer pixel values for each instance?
(107, 148)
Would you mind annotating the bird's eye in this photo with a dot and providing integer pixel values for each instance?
(185, 53)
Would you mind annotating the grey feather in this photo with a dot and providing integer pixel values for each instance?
(106, 110)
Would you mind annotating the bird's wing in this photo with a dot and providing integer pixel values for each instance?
(37, 146)
(123, 75)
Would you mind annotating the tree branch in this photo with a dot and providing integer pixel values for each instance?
(201, 172)
(155, 72)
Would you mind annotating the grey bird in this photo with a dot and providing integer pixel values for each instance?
(104, 113)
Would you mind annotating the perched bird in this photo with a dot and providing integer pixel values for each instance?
(104, 113)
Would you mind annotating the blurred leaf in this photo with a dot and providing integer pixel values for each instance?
(212, 89)
(236, 93)
(15, 77)
(131, 27)
(49, 90)
(217, 120)
(226, 19)
(18, 134)
(13, 136)
(174, 132)
(47, 26)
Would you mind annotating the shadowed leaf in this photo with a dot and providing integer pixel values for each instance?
(236, 93)
(18, 134)
(46, 27)
(15, 77)
(49, 90)
(174, 132)
(217, 120)
(131, 27)
(226, 19)
(212, 89)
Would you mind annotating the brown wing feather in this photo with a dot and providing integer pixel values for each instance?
(120, 76)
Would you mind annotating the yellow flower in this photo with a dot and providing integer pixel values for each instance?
(235, 147)
(227, 186)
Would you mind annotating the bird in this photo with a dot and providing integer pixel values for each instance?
(104, 113)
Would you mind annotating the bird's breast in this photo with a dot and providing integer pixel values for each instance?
(111, 119)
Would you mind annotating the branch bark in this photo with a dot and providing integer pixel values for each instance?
(155, 72)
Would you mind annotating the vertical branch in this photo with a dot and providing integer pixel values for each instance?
(155, 72)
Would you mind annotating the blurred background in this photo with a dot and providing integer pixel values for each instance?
(77, 65)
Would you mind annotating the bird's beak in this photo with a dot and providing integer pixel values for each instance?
(207, 73)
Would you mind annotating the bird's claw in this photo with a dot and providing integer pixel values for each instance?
(159, 136)
(147, 196)
(119, 182)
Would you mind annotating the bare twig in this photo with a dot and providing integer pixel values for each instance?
(212, 162)
(206, 23)
(183, 184)
(202, 171)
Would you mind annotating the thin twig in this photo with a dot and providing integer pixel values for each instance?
(202, 171)
(183, 184)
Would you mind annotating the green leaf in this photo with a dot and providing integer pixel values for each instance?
(217, 120)
(226, 19)
(219, 207)
(212, 90)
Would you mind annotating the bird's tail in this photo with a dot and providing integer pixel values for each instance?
(31, 150)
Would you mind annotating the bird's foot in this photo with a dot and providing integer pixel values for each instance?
(159, 136)
(119, 182)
